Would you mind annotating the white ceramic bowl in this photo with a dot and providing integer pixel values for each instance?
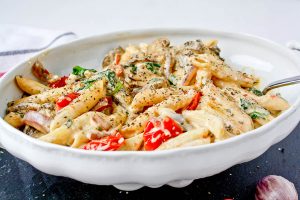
(178, 167)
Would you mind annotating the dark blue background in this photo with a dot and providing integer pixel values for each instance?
(18, 180)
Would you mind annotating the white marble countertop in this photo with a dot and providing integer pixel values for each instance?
(277, 20)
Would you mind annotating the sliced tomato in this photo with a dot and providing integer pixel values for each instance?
(172, 127)
(104, 103)
(66, 100)
(59, 83)
(117, 59)
(158, 131)
(195, 101)
(107, 143)
(153, 135)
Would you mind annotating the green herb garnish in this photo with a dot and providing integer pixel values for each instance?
(133, 68)
(118, 87)
(255, 115)
(114, 83)
(88, 84)
(69, 123)
(244, 104)
(153, 67)
(256, 92)
(79, 71)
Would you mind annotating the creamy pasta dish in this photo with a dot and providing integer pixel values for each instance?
(143, 97)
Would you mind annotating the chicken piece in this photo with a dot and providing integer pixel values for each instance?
(216, 99)
(160, 51)
(156, 83)
(132, 55)
(25, 107)
(222, 71)
(42, 73)
(113, 57)
(157, 49)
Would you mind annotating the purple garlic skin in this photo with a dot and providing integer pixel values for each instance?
(274, 187)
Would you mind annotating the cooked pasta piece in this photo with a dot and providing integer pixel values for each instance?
(30, 86)
(250, 106)
(202, 118)
(174, 102)
(185, 138)
(133, 143)
(150, 97)
(119, 117)
(87, 100)
(218, 101)
(83, 126)
(14, 119)
(270, 101)
(45, 97)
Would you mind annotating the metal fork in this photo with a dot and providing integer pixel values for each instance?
(281, 83)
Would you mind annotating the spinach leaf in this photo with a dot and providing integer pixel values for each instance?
(79, 71)
(244, 104)
(117, 88)
(153, 67)
(87, 84)
(255, 115)
(133, 68)
(256, 92)
(114, 83)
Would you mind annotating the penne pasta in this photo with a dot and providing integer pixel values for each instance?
(14, 119)
(132, 144)
(79, 129)
(30, 86)
(202, 118)
(82, 104)
(150, 97)
(185, 138)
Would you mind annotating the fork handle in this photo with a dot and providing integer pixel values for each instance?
(281, 83)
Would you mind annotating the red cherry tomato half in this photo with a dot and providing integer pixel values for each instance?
(104, 103)
(107, 143)
(158, 131)
(153, 135)
(66, 100)
(172, 127)
(59, 83)
(194, 103)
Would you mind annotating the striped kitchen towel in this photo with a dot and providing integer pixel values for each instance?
(17, 43)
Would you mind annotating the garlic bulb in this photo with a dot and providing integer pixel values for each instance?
(275, 188)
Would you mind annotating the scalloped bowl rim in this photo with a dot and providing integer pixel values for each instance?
(206, 147)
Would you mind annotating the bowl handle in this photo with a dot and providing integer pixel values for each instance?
(293, 45)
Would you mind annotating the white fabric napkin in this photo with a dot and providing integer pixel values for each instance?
(18, 43)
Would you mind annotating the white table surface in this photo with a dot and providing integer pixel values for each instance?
(277, 20)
